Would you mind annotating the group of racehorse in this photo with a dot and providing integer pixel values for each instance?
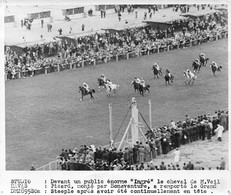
(190, 77)
(110, 87)
(139, 87)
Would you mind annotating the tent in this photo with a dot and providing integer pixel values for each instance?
(19, 48)
(123, 28)
(202, 13)
(71, 38)
(163, 22)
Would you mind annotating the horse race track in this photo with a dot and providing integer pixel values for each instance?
(44, 113)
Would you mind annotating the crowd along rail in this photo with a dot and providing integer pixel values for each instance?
(74, 64)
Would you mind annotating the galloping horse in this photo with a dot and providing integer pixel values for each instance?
(84, 92)
(196, 66)
(215, 69)
(188, 78)
(101, 83)
(143, 89)
(111, 87)
(156, 72)
(204, 61)
(168, 79)
(136, 85)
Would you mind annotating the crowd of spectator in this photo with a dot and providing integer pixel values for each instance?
(99, 47)
(141, 156)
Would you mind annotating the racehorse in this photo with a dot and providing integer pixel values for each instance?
(214, 69)
(204, 61)
(143, 89)
(168, 79)
(189, 79)
(196, 67)
(156, 72)
(136, 85)
(101, 83)
(111, 87)
(84, 92)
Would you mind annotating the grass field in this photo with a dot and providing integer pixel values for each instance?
(44, 113)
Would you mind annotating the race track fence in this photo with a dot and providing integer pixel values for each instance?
(74, 63)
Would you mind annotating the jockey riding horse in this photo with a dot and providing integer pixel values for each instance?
(215, 68)
(203, 59)
(139, 85)
(85, 90)
(102, 81)
(196, 65)
(168, 77)
(156, 70)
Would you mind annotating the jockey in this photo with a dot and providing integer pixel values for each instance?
(86, 86)
(168, 73)
(142, 82)
(202, 55)
(197, 61)
(214, 64)
(109, 83)
(157, 66)
(189, 72)
(103, 78)
(137, 80)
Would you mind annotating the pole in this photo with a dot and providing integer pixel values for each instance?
(150, 113)
(134, 124)
(110, 123)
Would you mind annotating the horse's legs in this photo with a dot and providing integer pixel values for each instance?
(91, 96)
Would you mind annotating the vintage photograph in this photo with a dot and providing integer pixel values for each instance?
(116, 87)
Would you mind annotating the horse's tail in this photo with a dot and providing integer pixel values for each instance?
(93, 91)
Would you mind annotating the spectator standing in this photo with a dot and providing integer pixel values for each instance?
(101, 13)
(22, 23)
(197, 166)
(83, 26)
(119, 16)
(32, 168)
(60, 31)
(184, 166)
(190, 166)
(219, 131)
(145, 15)
(152, 145)
(141, 153)
(222, 164)
(223, 120)
(176, 155)
(136, 14)
(70, 30)
(163, 166)
(42, 22)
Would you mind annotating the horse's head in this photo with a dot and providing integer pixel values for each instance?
(148, 86)
(220, 67)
